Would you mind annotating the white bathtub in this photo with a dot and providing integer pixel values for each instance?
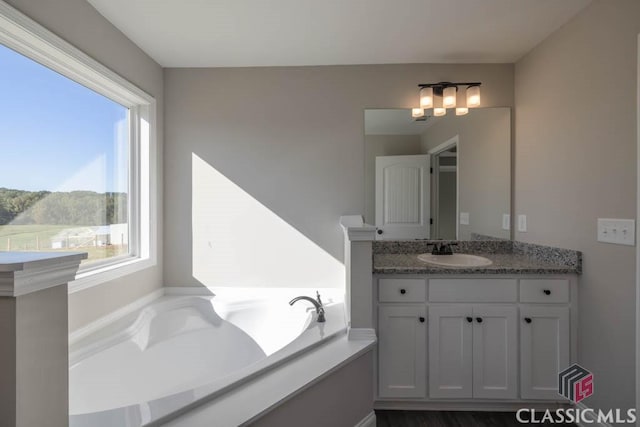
(180, 351)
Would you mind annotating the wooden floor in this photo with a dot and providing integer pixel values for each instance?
(449, 419)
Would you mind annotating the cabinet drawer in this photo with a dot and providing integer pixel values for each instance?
(544, 290)
(473, 290)
(402, 290)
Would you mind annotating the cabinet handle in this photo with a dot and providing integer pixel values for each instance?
(403, 291)
(421, 319)
(469, 319)
(479, 319)
(527, 319)
(379, 231)
(547, 292)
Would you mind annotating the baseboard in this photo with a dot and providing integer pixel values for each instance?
(593, 419)
(101, 322)
(467, 405)
(368, 421)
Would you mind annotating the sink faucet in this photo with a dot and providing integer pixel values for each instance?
(443, 248)
(317, 303)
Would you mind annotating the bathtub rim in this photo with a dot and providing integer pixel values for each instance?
(327, 359)
(216, 391)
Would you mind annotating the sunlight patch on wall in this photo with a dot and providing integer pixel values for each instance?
(237, 241)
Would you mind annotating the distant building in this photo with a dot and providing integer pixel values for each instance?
(79, 237)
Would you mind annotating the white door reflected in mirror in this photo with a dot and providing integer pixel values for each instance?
(402, 197)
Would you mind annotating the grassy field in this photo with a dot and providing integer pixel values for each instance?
(38, 238)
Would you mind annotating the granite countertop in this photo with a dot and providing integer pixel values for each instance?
(502, 264)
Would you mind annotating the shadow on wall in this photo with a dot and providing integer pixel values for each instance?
(239, 242)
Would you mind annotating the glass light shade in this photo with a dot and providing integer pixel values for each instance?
(461, 111)
(417, 112)
(426, 97)
(473, 96)
(449, 97)
(439, 111)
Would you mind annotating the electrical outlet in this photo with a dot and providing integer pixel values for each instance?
(506, 221)
(464, 218)
(522, 223)
(617, 231)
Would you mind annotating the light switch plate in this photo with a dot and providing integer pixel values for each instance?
(506, 221)
(464, 218)
(617, 231)
(522, 223)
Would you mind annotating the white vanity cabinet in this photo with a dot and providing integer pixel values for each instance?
(545, 343)
(483, 341)
(403, 351)
(402, 332)
(473, 351)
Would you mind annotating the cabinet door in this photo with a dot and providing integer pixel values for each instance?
(450, 351)
(544, 347)
(402, 348)
(495, 352)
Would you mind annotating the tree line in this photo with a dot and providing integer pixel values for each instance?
(62, 208)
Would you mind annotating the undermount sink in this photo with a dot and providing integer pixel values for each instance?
(455, 260)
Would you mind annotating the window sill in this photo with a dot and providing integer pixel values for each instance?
(98, 276)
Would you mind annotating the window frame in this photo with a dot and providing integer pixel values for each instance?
(22, 34)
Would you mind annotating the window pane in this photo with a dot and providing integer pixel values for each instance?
(64, 167)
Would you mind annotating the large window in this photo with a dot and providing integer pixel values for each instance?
(64, 169)
(76, 158)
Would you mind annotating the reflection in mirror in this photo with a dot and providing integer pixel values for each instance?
(445, 190)
(438, 177)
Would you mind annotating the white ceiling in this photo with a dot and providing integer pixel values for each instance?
(241, 33)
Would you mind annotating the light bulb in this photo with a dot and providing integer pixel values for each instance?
(426, 97)
(449, 97)
(473, 96)
(439, 111)
(417, 112)
(461, 111)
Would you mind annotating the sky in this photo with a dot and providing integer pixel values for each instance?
(55, 134)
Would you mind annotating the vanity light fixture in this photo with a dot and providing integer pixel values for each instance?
(426, 97)
(439, 111)
(417, 112)
(447, 94)
(473, 96)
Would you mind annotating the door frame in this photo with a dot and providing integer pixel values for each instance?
(435, 181)
(637, 249)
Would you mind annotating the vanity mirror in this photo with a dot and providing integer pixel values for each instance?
(438, 177)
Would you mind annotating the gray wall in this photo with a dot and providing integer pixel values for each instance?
(291, 137)
(42, 358)
(383, 145)
(575, 161)
(484, 162)
(80, 24)
(8, 355)
(342, 399)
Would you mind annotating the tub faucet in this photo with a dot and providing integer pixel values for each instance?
(317, 303)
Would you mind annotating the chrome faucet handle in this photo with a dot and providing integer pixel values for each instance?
(318, 298)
